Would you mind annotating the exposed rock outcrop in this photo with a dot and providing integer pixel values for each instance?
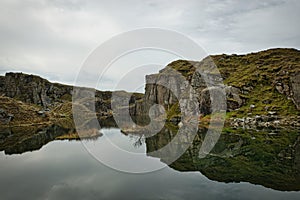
(5, 117)
(254, 84)
(168, 86)
(247, 85)
(31, 89)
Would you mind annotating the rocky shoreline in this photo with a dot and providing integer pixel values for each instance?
(265, 121)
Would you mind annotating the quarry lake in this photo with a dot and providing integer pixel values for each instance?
(37, 167)
(253, 98)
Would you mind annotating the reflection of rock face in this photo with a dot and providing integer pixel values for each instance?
(19, 141)
(297, 154)
(239, 157)
(28, 139)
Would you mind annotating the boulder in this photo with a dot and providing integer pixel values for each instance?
(5, 117)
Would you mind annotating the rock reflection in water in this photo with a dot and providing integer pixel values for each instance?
(268, 158)
(23, 139)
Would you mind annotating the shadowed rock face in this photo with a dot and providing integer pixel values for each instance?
(240, 157)
(33, 89)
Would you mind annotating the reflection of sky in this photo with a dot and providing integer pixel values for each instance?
(119, 152)
(65, 170)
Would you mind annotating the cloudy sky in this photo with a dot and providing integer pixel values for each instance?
(53, 38)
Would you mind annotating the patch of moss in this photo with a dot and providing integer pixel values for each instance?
(185, 67)
(266, 98)
(66, 97)
(174, 111)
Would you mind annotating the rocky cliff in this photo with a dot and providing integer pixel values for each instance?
(263, 87)
(27, 99)
(256, 85)
(33, 89)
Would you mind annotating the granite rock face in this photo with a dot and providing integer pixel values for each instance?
(267, 81)
(171, 86)
(33, 89)
(290, 88)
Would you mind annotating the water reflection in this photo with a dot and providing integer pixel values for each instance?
(270, 158)
(18, 140)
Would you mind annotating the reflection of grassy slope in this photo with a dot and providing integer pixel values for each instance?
(16, 140)
(86, 134)
(261, 159)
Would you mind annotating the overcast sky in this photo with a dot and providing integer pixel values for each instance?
(53, 38)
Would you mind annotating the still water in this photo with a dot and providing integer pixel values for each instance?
(41, 167)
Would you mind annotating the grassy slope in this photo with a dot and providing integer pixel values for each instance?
(256, 74)
(23, 113)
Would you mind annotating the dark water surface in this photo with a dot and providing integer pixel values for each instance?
(241, 166)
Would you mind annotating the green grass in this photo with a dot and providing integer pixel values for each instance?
(255, 74)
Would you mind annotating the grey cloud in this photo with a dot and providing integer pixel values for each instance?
(53, 38)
